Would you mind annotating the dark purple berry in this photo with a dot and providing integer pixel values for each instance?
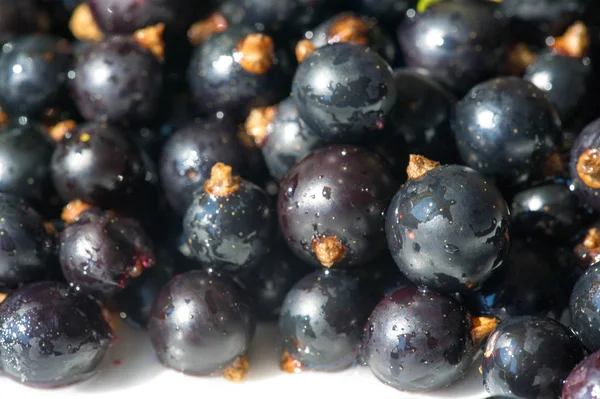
(97, 164)
(418, 340)
(26, 247)
(584, 380)
(51, 336)
(191, 152)
(100, 253)
(202, 323)
(332, 204)
(33, 75)
(584, 165)
(230, 224)
(447, 226)
(321, 322)
(119, 82)
(508, 129)
(585, 308)
(529, 357)
(345, 92)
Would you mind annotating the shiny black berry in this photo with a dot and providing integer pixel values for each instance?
(345, 92)
(550, 211)
(321, 322)
(25, 153)
(202, 323)
(51, 336)
(566, 79)
(460, 42)
(33, 74)
(507, 128)
(237, 70)
(97, 164)
(230, 224)
(447, 226)
(584, 165)
(529, 357)
(332, 204)
(282, 136)
(191, 152)
(418, 340)
(585, 308)
(26, 247)
(421, 116)
(584, 380)
(531, 283)
(100, 254)
(119, 82)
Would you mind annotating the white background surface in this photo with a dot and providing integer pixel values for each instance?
(131, 371)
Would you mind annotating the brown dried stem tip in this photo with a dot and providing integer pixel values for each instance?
(257, 123)
(151, 38)
(238, 371)
(257, 53)
(483, 327)
(289, 364)
(83, 26)
(202, 30)
(349, 28)
(73, 209)
(328, 250)
(221, 182)
(3, 296)
(588, 252)
(3, 117)
(58, 131)
(588, 168)
(519, 57)
(303, 49)
(575, 42)
(419, 165)
(553, 166)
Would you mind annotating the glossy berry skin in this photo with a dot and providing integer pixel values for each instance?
(288, 139)
(119, 82)
(460, 42)
(97, 164)
(550, 211)
(418, 340)
(274, 15)
(421, 116)
(566, 79)
(587, 141)
(529, 357)
(353, 102)
(531, 283)
(219, 83)
(135, 300)
(506, 128)
(584, 380)
(127, 16)
(99, 253)
(51, 336)
(448, 230)
(585, 310)
(232, 232)
(339, 191)
(33, 74)
(322, 319)
(201, 322)
(25, 246)
(17, 18)
(269, 282)
(25, 153)
(191, 152)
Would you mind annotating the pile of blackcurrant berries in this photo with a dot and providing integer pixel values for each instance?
(409, 186)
